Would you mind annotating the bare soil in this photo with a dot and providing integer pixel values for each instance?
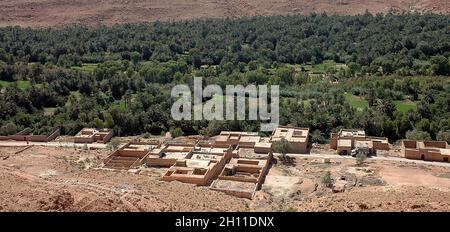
(69, 179)
(49, 13)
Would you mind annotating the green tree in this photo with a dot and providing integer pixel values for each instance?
(418, 135)
(282, 147)
(176, 132)
(317, 137)
(8, 129)
(443, 136)
(440, 65)
(135, 57)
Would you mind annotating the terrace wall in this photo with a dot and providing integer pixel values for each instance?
(44, 138)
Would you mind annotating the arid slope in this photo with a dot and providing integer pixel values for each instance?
(46, 13)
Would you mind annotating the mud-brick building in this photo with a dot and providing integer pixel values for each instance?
(426, 150)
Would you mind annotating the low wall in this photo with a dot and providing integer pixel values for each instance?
(263, 174)
(437, 144)
(409, 144)
(333, 141)
(299, 147)
(44, 138)
(159, 162)
(83, 139)
(18, 137)
(239, 179)
(247, 144)
(107, 137)
(377, 145)
(433, 156)
(262, 149)
(131, 153)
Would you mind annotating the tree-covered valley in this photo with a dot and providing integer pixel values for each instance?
(387, 74)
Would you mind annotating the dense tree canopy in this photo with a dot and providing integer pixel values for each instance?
(121, 76)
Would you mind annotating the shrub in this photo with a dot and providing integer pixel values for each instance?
(146, 135)
(114, 143)
(327, 181)
(283, 148)
(8, 129)
(360, 158)
(317, 137)
(176, 132)
(443, 136)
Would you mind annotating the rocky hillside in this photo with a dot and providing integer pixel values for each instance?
(45, 13)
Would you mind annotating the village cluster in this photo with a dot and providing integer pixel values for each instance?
(233, 162)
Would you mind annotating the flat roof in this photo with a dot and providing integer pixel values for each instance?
(263, 144)
(351, 132)
(175, 155)
(292, 134)
(250, 139)
(250, 153)
(195, 163)
(222, 138)
(247, 161)
(243, 133)
(445, 152)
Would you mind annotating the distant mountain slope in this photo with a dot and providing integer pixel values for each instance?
(44, 13)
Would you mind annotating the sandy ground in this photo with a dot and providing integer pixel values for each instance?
(47, 13)
(69, 179)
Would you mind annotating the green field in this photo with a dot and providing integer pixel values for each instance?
(86, 68)
(21, 84)
(357, 102)
(49, 111)
(405, 106)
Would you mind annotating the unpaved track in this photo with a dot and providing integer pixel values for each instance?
(52, 144)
